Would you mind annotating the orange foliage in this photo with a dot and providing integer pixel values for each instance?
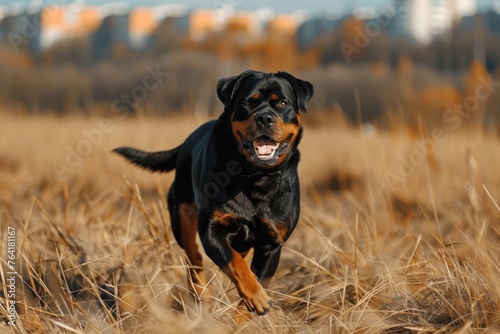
(240, 24)
(350, 29)
(202, 22)
(437, 98)
(21, 60)
(309, 58)
(276, 49)
(404, 65)
(283, 25)
(379, 68)
(142, 21)
(119, 51)
(477, 76)
(276, 52)
(84, 21)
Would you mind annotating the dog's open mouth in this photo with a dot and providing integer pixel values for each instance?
(265, 148)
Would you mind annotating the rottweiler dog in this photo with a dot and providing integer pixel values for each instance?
(236, 181)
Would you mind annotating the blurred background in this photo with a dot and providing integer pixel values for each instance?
(378, 61)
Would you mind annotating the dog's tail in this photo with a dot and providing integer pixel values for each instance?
(163, 161)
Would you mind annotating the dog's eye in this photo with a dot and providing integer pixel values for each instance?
(282, 104)
(246, 103)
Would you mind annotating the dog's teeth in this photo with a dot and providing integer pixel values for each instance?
(265, 150)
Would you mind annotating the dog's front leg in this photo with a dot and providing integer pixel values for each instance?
(217, 247)
(265, 262)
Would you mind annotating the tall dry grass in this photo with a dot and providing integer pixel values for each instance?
(373, 252)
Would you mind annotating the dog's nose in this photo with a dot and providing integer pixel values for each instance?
(265, 119)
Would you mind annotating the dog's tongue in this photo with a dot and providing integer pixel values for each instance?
(265, 146)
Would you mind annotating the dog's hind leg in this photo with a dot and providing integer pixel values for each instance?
(184, 220)
(188, 224)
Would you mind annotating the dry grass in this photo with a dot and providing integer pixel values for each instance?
(371, 255)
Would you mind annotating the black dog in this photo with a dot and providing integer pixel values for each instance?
(236, 180)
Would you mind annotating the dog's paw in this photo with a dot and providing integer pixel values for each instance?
(259, 301)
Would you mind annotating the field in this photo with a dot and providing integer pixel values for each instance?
(399, 233)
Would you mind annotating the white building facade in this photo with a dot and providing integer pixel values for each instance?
(424, 20)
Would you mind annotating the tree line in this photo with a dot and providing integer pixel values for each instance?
(367, 76)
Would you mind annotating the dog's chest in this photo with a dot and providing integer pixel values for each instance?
(263, 198)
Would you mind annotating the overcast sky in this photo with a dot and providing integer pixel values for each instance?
(314, 6)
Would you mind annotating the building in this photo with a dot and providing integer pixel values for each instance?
(285, 25)
(62, 22)
(311, 29)
(462, 8)
(111, 39)
(204, 21)
(424, 20)
(144, 21)
(20, 31)
(201, 22)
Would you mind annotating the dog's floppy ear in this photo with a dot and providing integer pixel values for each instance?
(304, 91)
(226, 87)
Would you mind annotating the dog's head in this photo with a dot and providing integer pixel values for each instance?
(263, 111)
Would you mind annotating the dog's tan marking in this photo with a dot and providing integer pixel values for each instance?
(252, 292)
(189, 229)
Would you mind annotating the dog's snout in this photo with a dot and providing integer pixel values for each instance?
(265, 119)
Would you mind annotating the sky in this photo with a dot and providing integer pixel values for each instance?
(312, 6)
